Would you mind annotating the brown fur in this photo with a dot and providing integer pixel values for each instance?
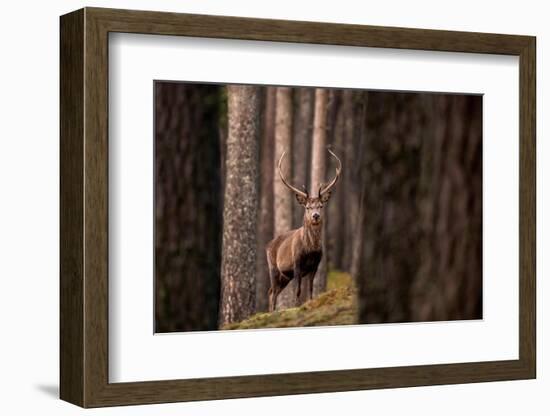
(296, 254)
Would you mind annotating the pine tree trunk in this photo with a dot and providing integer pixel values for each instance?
(356, 192)
(448, 283)
(335, 211)
(318, 158)
(188, 216)
(391, 166)
(240, 205)
(283, 197)
(353, 112)
(303, 126)
(421, 209)
(265, 217)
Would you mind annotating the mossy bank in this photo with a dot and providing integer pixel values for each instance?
(337, 306)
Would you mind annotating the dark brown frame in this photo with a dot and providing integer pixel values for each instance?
(84, 211)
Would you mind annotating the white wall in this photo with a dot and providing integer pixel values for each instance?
(29, 210)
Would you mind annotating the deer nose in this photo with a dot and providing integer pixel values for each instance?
(316, 216)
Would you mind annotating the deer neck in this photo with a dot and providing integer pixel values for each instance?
(312, 236)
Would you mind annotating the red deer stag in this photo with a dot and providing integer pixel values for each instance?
(297, 253)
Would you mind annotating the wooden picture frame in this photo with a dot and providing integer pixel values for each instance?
(84, 207)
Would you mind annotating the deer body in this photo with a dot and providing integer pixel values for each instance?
(296, 254)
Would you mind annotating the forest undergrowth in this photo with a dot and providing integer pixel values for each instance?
(336, 306)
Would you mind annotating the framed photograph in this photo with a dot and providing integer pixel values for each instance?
(264, 207)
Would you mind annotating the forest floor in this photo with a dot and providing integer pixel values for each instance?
(336, 306)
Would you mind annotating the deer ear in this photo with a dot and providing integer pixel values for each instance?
(302, 200)
(326, 196)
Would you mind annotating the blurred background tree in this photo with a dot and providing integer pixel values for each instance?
(265, 212)
(318, 172)
(188, 207)
(284, 201)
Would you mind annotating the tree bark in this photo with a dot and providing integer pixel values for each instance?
(188, 216)
(240, 205)
(318, 158)
(354, 112)
(335, 211)
(303, 126)
(391, 166)
(354, 180)
(283, 197)
(448, 283)
(421, 209)
(265, 217)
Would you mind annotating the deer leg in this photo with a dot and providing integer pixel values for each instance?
(273, 299)
(270, 298)
(282, 282)
(277, 291)
(311, 280)
(307, 286)
(273, 272)
(298, 277)
(274, 290)
(273, 294)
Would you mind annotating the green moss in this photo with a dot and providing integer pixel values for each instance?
(337, 279)
(337, 306)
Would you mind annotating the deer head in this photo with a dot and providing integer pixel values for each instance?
(313, 204)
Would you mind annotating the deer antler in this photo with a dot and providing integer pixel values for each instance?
(292, 188)
(327, 188)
